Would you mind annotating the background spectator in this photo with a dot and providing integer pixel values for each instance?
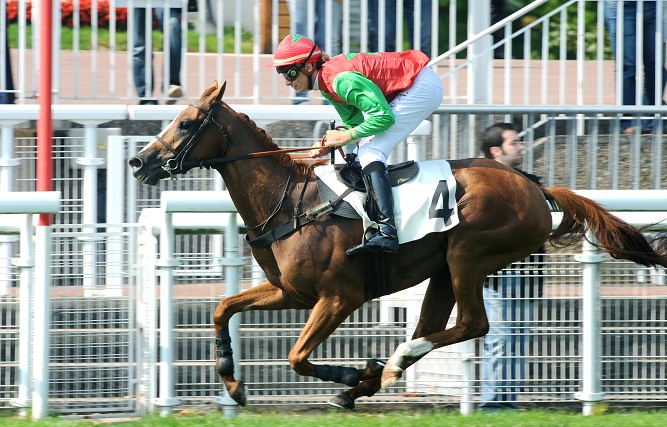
(299, 11)
(141, 57)
(7, 95)
(508, 299)
(390, 27)
(625, 27)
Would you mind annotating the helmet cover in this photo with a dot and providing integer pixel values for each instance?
(295, 49)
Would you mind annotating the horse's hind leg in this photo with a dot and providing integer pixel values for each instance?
(435, 312)
(262, 297)
(471, 322)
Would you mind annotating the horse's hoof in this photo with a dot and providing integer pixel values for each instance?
(391, 376)
(238, 393)
(341, 401)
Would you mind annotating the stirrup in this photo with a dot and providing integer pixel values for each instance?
(389, 245)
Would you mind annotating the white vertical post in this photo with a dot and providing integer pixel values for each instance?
(90, 162)
(116, 166)
(7, 163)
(167, 263)
(147, 315)
(479, 52)
(42, 321)
(468, 377)
(232, 261)
(26, 263)
(416, 149)
(590, 391)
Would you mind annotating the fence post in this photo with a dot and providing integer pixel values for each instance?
(468, 377)
(42, 321)
(26, 263)
(166, 264)
(28, 204)
(415, 141)
(590, 392)
(7, 163)
(232, 261)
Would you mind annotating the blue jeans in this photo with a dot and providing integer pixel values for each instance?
(390, 27)
(299, 12)
(629, 52)
(505, 346)
(139, 58)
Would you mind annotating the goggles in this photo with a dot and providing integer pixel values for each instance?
(292, 72)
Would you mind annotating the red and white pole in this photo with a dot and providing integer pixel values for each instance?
(44, 119)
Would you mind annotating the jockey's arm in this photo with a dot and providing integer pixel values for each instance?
(366, 109)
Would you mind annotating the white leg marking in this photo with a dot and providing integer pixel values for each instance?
(411, 349)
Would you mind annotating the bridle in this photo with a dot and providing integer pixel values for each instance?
(178, 163)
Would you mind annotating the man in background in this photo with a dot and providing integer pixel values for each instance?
(508, 295)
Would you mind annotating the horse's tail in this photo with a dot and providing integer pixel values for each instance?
(614, 235)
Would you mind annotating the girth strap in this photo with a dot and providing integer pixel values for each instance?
(297, 222)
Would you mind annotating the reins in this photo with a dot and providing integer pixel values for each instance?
(179, 163)
(299, 219)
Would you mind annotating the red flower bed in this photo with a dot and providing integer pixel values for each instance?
(67, 13)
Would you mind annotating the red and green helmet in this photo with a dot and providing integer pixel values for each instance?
(295, 49)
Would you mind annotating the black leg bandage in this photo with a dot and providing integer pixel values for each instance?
(338, 374)
(225, 364)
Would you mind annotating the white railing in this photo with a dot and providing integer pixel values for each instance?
(174, 204)
(640, 207)
(566, 75)
(17, 212)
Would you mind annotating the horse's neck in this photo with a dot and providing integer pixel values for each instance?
(257, 188)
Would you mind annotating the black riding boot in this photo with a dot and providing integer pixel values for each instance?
(378, 186)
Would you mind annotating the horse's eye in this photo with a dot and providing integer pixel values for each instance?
(184, 125)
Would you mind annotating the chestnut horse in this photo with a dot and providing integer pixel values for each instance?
(503, 216)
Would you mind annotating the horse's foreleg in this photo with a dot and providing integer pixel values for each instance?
(325, 317)
(471, 322)
(262, 297)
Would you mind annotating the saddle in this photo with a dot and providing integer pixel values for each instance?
(350, 173)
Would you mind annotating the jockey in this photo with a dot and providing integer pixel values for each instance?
(381, 97)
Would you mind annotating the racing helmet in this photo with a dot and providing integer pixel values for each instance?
(295, 49)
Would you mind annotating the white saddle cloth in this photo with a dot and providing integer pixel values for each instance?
(425, 204)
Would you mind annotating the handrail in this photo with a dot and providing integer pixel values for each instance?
(498, 25)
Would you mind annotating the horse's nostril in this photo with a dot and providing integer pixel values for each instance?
(135, 162)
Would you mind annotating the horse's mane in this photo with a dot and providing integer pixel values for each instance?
(301, 167)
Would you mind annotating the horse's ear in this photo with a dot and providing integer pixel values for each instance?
(217, 95)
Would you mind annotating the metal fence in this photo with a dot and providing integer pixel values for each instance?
(98, 357)
(99, 362)
(558, 56)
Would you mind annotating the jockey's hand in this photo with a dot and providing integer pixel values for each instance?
(319, 151)
(333, 138)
